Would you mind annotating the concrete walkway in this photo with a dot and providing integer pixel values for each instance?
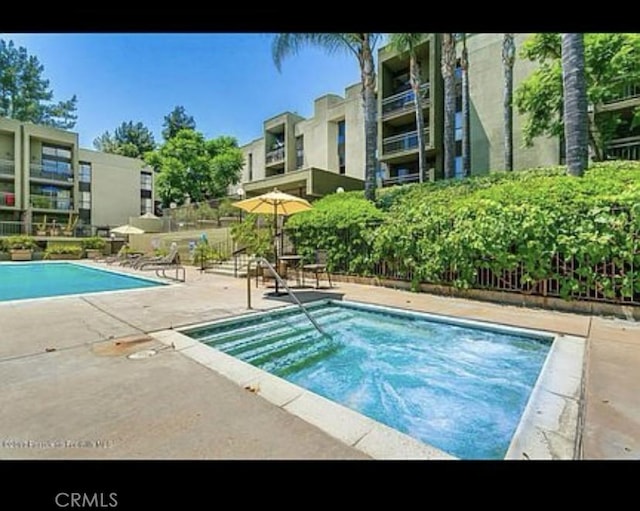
(69, 390)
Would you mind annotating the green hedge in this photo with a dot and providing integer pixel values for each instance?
(445, 232)
(342, 223)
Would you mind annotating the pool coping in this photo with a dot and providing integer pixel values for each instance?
(161, 283)
(548, 427)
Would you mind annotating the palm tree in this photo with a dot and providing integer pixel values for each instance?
(576, 120)
(508, 59)
(362, 46)
(448, 66)
(466, 124)
(408, 43)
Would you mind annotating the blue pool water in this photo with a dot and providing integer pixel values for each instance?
(461, 389)
(37, 280)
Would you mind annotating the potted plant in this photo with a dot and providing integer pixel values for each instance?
(4, 251)
(94, 246)
(58, 251)
(21, 247)
(41, 228)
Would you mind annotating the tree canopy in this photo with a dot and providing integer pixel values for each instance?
(189, 165)
(175, 121)
(128, 139)
(612, 62)
(25, 94)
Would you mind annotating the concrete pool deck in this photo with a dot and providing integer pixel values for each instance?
(69, 390)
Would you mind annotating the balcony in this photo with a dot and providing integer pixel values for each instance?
(403, 102)
(7, 168)
(38, 171)
(404, 142)
(624, 149)
(51, 202)
(276, 156)
(629, 91)
(7, 199)
(400, 180)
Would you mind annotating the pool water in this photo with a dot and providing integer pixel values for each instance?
(461, 389)
(20, 281)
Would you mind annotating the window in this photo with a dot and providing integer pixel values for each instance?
(458, 167)
(84, 175)
(146, 182)
(84, 200)
(250, 165)
(458, 126)
(56, 163)
(146, 206)
(299, 152)
(342, 136)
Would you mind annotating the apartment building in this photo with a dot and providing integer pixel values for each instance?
(45, 175)
(307, 156)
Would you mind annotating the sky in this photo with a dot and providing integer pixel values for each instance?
(227, 82)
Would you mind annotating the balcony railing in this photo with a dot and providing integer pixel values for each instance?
(403, 101)
(624, 149)
(11, 228)
(51, 202)
(629, 91)
(38, 171)
(7, 167)
(403, 142)
(401, 180)
(7, 199)
(275, 156)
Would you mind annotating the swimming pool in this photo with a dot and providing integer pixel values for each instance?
(455, 386)
(20, 281)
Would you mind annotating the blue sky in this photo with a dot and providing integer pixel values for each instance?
(227, 82)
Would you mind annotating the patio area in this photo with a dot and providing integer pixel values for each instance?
(71, 392)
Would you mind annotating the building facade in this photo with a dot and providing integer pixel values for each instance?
(309, 156)
(45, 177)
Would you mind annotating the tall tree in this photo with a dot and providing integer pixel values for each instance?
(362, 46)
(508, 60)
(612, 63)
(408, 43)
(575, 104)
(466, 111)
(189, 165)
(129, 139)
(24, 93)
(448, 66)
(175, 121)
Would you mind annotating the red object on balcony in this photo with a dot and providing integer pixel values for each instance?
(10, 199)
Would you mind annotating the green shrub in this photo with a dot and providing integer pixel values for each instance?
(94, 243)
(582, 232)
(255, 232)
(21, 243)
(343, 224)
(63, 248)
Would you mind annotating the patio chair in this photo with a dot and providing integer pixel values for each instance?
(152, 263)
(120, 257)
(320, 266)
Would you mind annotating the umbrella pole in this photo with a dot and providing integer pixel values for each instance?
(275, 236)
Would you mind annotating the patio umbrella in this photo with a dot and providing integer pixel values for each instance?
(274, 203)
(148, 215)
(127, 229)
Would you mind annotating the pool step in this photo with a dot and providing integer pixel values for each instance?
(280, 343)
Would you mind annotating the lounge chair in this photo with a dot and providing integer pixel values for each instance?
(120, 257)
(151, 263)
(320, 266)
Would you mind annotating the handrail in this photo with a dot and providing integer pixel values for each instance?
(235, 255)
(279, 279)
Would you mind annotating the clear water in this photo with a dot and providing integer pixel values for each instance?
(38, 280)
(460, 389)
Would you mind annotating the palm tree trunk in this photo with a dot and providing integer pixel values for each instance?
(575, 104)
(368, 76)
(508, 59)
(414, 72)
(448, 74)
(466, 120)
